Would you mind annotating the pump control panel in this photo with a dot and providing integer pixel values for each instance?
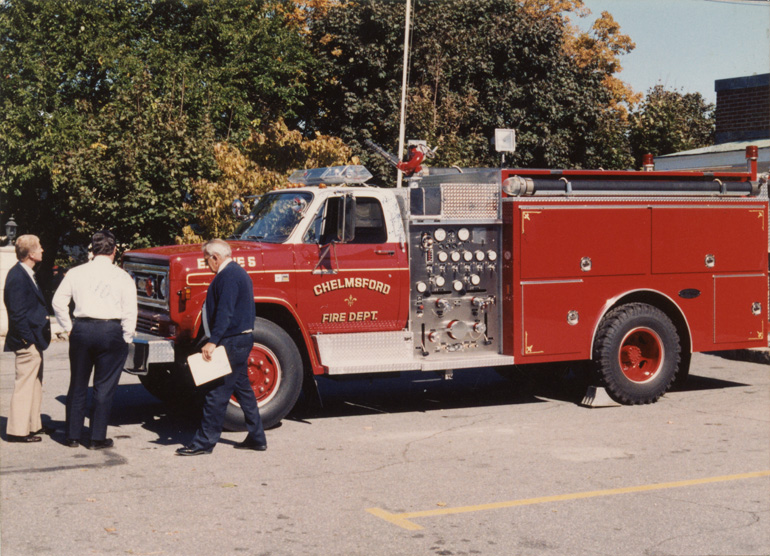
(454, 299)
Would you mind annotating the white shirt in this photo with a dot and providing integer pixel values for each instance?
(31, 273)
(101, 290)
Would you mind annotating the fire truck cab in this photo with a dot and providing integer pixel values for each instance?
(461, 269)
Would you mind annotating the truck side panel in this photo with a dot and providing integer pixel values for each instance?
(568, 263)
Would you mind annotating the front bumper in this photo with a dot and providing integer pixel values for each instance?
(145, 350)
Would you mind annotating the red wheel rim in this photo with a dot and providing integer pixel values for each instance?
(641, 354)
(264, 374)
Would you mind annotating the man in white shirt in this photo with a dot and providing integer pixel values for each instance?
(105, 320)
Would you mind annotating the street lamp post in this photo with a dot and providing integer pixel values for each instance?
(11, 229)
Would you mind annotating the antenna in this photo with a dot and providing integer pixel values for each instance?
(402, 124)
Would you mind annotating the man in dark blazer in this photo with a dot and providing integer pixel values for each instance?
(228, 319)
(29, 333)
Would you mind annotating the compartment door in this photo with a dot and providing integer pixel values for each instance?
(708, 239)
(736, 299)
(572, 242)
(546, 327)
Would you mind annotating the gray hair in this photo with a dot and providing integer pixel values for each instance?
(217, 247)
(26, 244)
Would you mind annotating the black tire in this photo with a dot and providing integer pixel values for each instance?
(637, 353)
(680, 382)
(275, 373)
(158, 383)
(169, 383)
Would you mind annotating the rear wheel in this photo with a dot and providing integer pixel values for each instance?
(637, 353)
(275, 374)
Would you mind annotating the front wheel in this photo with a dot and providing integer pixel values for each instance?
(275, 374)
(637, 353)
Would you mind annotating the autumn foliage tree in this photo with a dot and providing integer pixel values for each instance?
(262, 163)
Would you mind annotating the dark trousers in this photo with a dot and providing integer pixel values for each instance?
(97, 346)
(218, 396)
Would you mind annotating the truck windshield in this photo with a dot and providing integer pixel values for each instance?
(275, 217)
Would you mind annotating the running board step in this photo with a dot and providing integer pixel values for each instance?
(387, 352)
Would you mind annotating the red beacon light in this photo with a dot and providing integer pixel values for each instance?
(752, 154)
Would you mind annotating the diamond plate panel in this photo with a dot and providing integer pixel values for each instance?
(470, 200)
(366, 352)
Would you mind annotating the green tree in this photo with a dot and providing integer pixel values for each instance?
(475, 65)
(670, 121)
(111, 108)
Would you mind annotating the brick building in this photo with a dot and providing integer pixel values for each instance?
(742, 119)
(743, 108)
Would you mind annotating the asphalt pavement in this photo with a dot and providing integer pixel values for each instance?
(409, 465)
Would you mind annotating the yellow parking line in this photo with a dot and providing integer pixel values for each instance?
(403, 519)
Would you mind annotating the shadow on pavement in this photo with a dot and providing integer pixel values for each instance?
(696, 383)
(408, 392)
(415, 392)
(134, 405)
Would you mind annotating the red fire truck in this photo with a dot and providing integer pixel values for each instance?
(462, 269)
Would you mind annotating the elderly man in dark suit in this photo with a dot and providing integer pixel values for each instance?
(29, 333)
(228, 318)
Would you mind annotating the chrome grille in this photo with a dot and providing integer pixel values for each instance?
(146, 325)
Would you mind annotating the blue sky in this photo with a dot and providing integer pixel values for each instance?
(688, 44)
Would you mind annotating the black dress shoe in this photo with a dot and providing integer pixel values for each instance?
(46, 430)
(28, 438)
(193, 451)
(101, 444)
(250, 444)
(72, 443)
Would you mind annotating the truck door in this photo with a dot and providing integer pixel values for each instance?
(352, 284)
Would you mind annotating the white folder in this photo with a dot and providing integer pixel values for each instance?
(206, 371)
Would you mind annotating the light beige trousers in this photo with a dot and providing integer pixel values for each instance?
(24, 416)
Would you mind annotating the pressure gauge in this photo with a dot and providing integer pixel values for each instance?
(463, 234)
(456, 256)
(480, 255)
(439, 281)
(421, 287)
(457, 286)
(467, 256)
(492, 255)
(442, 257)
(439, 234)
(475, 279)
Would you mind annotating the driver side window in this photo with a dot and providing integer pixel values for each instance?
(370, 222)
(324, 227)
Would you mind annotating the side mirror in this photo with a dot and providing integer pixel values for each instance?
(346, 222)
(239, 210)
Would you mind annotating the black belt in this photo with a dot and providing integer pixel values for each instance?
(89, 319)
